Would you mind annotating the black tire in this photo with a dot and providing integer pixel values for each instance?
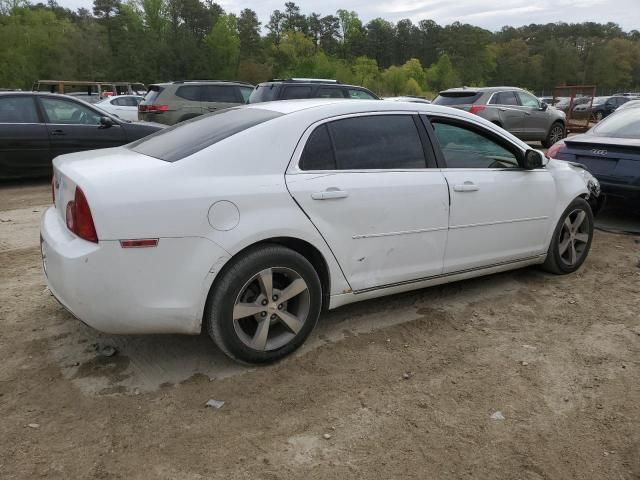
(241, 277)
(556, 133)
(557, 261)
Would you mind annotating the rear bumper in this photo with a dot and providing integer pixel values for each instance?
(129, 291)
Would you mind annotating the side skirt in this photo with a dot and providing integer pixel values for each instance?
(375, 292)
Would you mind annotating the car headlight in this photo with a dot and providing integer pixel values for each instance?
(592, 183)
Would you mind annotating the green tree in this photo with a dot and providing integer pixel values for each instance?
(223, 48)
(441, 75)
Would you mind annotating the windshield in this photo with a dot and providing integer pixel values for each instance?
(456, 98)
(264, 93)
(622, 124)
(187, 138)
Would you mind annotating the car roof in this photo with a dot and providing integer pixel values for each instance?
(481, 89)
(202, 82)
(311, 81)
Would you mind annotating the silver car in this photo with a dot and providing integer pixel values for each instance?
(514, 109)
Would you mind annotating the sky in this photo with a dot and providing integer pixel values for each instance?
(489, 14)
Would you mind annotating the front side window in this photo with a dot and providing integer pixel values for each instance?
(325, 92)
(18, 110)
(360, 94)
(71, 113)
(528, 100)
(466, 148)
(377, 142)
(296, 91)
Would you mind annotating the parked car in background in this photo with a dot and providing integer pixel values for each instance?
(629, 104)
(600, 107)
(611, 152)
(174, 102)
(514, 109)
(297, 88)
(123, 106)
(553, 101)
(87, 97)
(566, 102)
(254, 219)
(37, 127)
(407, 98)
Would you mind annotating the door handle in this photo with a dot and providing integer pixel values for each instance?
(57, 132)
(502, 109)
(212, 108)
(466, 187)
(329, 193)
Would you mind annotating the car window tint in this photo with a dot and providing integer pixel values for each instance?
(375, 142)
(465, 148)
(318, 152)
(360, 94)
(457, 98)
(186, 138)
(246, 93)
(189, 92)
(220, 93)
(67, 112)
(18, 110)
(528, 100)
(297, 91)
(504, 98)
(330, 93)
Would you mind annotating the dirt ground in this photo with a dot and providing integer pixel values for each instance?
(521, 375)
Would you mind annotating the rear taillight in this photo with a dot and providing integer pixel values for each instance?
(153, 108)
(476, 109)
(554, 149)
(79, 219)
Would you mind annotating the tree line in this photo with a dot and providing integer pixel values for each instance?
(160, 40)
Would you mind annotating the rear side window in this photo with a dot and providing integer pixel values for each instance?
(187, 138)
(152, 94)
(220, 93)
(246, 93)
(318, 152)
(504, 98)
(377, 142)
(189, 92)
(296, 91)
(457, 98)
(18, 110)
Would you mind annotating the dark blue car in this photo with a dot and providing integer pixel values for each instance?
(610, 151)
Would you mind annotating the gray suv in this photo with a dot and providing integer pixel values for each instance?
(174, 102)
(513, 109)
(297, 88)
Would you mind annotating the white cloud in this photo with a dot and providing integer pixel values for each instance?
(491, 14)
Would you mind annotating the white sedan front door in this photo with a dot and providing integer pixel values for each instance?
(364, 183)
(499, 211)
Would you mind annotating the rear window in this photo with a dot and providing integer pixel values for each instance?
(456, 98)
(152, 94)
(622, 124)
(264, 93)
(187, 138)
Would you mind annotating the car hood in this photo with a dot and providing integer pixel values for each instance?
(591, 139)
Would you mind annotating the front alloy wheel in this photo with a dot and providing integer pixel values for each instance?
(571, 239)
(264, 304)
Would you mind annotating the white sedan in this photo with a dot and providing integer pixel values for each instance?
(124, 106)
(250, 221)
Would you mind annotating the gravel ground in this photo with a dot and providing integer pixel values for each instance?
(521, 375)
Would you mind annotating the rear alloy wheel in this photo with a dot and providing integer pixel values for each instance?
(598, 116)
(265, 305)
(572, 239)
(556, 133)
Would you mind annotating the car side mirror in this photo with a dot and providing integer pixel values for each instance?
(544, 107)
(533, 159)
(106, 122)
